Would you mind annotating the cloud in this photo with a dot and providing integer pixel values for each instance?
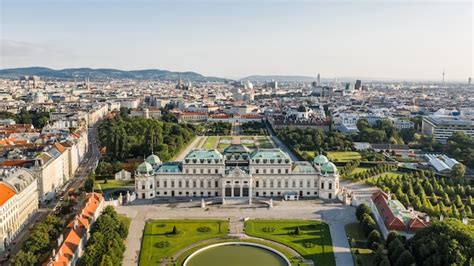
(15, 53)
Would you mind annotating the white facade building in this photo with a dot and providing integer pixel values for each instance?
(18, 202)
(237, 172)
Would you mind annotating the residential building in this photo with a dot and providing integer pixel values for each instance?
(18, 202)
(443, 126)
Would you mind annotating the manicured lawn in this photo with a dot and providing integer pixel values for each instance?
(159, 243)
(314, 241)
(211, 142)
(111, 184)
(265, 144)
(354, 230)
(226, 138)
(387, 174)
(343, 156)
(222, 146)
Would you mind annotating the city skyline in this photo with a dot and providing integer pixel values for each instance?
(387, 40)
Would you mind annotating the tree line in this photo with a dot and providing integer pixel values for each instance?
(310, 139)
(40, 242)
(106, 243)
(254, 128)
(37, 118)
(138, 137)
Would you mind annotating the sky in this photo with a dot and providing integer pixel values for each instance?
(407, 40)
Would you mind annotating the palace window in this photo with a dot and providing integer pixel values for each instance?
(180, 183)
(264, 171)
(151, 186)
(194, 171)
(293, 183)
(217, 171)
(165, 183)
(308, 183)
(208, 171)
(330, 185)
(286, 171)
(322, 185)
(208, 183)
(157, 183)
(256, 183)
(202, 171)
(271, 171)
(279, 183)
(187, 183)
(286, 183)
(172, 183)
(271, 183)
(279, 171)
(187, 171)
(216, 184)
(194, 183)
(201, 183)
(257, 171)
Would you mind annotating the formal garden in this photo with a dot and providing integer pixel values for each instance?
(171, 242)
(312, 239)
(162, 239)
(222, 142)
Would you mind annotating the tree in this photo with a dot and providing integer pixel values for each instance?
(24, 258)
(405, 259)
(361, 209)
(396, 253)
(374, 237)
(297, 230)
(368, 224)
(175, 231)
(385, 262)
(392, 235)
(458, 171)
(89, 185)
(446, 243)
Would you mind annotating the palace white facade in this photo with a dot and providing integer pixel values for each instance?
(237, 172)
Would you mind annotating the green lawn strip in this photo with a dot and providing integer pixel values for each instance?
(211, 142)
(354, 230)
(314, 242)
(113, 184)
(294, 262)
(246, 138)
(226, 138)
(343, 156)
(201, 142)
(159, 232)
(222, 146)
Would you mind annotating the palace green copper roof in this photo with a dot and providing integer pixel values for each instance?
(145, 168)
(169, 167)
(329, 168)
(153, 159)
(320, 159)
(303, 168)
(203, 154)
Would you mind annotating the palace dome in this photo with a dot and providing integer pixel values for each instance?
(320, 159)
(329, 168)
(145, 168)
(153, 159)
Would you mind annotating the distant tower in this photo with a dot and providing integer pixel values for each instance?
(318, 80)
(358, 85)
(443, 77)
(469, 80)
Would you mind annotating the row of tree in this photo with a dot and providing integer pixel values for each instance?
(430, 194)
(106, 244)
(216, 128)
(254, 128)
(40, 242)
(315, 140)
(139, 137)
(374, 171)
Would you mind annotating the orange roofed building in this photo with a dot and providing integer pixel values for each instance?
(77, 232)
(391, 215)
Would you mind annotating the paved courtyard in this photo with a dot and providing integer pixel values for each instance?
(335, 214)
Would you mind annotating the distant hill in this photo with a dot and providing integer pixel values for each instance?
(279, 78)
(103, 73)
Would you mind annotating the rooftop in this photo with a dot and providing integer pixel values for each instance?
(203, 154)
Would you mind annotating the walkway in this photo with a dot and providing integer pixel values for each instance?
(188, 148)
(335, 214)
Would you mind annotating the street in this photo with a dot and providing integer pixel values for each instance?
(80, 176)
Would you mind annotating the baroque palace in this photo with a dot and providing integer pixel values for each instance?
(237, 172)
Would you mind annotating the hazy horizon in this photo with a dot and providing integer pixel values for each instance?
(397, 40)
